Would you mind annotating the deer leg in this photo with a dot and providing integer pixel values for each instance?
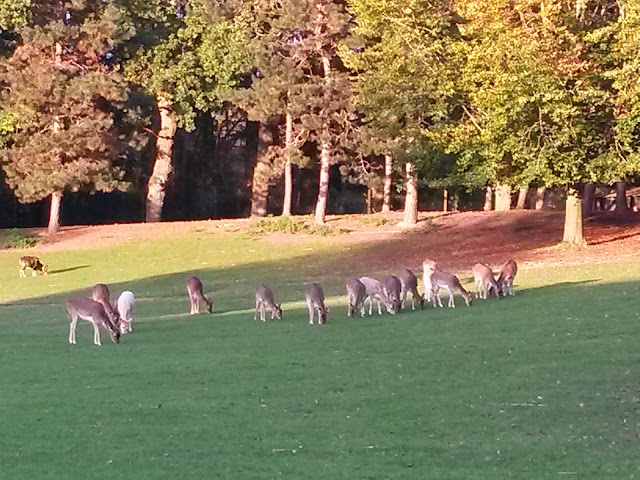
(72, 330)
(96, 334)
(311, 312)
(255, 313)
(451, 301)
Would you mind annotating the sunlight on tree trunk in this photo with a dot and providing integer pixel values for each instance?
(540, 196)
(162, 166)
(522, 198)
(621, 197)
(445, 200)
(323, 188)
(261, 173)
(288, 177)
(388, 170)
(488, 199)
(588, 199)
(573, 228)
(54, 212)
(503, 198)
(411, 198)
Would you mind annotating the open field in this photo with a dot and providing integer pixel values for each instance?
(545, 384)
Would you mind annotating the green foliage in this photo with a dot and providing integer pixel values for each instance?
(374, 220)
(16, 238)
(292, 226)
(13, 14)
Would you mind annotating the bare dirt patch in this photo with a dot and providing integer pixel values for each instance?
(455, 240)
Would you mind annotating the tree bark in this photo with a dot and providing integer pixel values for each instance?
(54, 212)
(163, 166)
(488, 199)
(588, 199)
(621, 197)
(573, 228)
(522, 198)
(503, 198)
(261, 173)
(411, 197)
(288, 176)
(388, 170)
(445, 200)
(540, 195)
(323, 188)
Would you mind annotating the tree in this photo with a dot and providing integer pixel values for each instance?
(405, 65)
(62, 105)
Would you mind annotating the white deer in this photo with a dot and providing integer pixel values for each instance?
(125, 304)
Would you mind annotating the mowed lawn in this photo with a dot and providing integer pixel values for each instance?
(545, 384)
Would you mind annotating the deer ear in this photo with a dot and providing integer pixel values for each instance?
(327, 309)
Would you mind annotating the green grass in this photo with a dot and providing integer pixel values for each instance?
(541, 385)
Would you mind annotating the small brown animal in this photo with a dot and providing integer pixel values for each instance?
(92, 312)
(101, 294)
(450, 283)
(34, 264)
(508, 273)
(315, 302)
(264, 299)
(196, 295)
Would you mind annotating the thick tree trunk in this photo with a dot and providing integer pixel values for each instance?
(162, 166)
(522, 198)
(621, 197)
(388, 170)
(588, 199)
(503, 198)
(488, 199)
(540, 196)
(262, 172)
(54, 212)
(288, 176)
(411, 198)
(323, 188)
(573, 228)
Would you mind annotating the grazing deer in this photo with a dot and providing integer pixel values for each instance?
(446, 281)
(484, 281)
(508, 273)
(34, 264)
(393, 289)
(356, 295)
(428, 267)
(93, 312)
(264, 298)
(196, 295)
(101, 294)
(315, 301)
(125, 304)
(375, 291)
(409, 283)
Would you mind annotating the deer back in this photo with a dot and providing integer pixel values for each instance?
(265, 294)
(356, 288)
(92, 311)
(408, 280)
(194, 285)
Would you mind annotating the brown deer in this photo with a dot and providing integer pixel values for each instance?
(393, 289)
(356, 295)
(508, 273)
(450, 283)
(375, 291)
(484, 281)
(196, 295)
(100, 293)
(315, 302)
(34, 264)
(409, 283)
(264, 298)
(94, 313)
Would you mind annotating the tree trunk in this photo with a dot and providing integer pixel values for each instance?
(588, 199)
(261, 172)
(288, 177)
(162, 166)
(411, 198)
(388, 170)
(54, 212)
(325, 146)
(573, 228)
(522, 198)
(540, 195)
(445, 200)
(323, 188)
(503, 198)
(488, 199)
(621, 197)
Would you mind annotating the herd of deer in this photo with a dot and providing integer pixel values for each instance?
(392, 293)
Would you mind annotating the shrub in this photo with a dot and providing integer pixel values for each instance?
(376, 221)
(16, 238)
